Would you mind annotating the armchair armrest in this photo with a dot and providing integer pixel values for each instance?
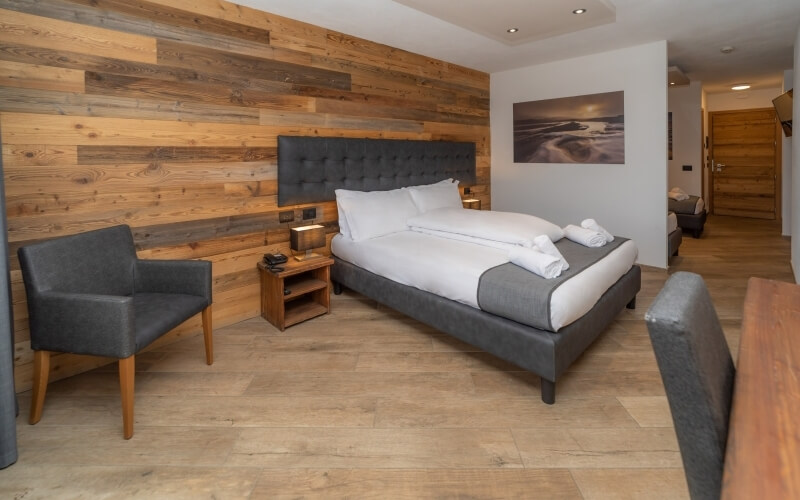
(101, 325)
(190, 277)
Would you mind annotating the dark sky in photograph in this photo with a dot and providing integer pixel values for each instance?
(572, 108)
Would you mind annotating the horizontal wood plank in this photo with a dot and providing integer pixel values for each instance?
(164, 116)
(215, 61)
(13, 74)
(67, 103)
(17, 27)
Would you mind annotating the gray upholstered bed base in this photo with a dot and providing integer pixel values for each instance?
(544, 353)
(693, 222)
(674, 240)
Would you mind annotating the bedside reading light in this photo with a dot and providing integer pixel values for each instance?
(473, 203)
(306, 238)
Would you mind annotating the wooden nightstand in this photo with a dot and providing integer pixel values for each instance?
(308, 285)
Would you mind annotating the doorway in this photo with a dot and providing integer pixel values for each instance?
(745, 157)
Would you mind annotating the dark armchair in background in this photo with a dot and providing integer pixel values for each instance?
(89, 294)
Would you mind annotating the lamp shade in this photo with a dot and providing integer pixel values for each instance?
(307, 237)
(473, 203)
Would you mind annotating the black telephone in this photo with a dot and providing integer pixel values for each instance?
(273, 259)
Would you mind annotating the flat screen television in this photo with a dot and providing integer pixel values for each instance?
(783, 108)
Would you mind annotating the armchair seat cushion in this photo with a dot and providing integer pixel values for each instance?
(156, 313)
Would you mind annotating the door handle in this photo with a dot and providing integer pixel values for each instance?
(720, 166)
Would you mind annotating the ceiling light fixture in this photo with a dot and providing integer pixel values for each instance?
(579, 11)
(512, 30)
(726, 49)
(741, 86)
(672, 83)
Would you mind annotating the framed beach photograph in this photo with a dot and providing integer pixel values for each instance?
(579, 129)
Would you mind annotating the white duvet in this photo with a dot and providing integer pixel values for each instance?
(452, 268)
(700, 206)
(672, 222)
(484, 226)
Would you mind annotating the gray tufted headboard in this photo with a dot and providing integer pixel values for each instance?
(311, 168)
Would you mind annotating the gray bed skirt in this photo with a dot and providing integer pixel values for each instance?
(544, 353)
(693, 222)
(674, 240)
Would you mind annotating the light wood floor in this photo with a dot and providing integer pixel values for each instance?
(365, 403)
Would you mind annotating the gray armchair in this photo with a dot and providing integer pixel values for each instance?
(89, 294)
(698, 374)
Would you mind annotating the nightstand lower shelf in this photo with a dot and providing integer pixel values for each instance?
(300, 310)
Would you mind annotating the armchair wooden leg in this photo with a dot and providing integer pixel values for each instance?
(127, 369)
(41, 372)
(207, 335)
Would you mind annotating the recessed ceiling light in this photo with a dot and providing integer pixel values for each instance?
(672, 83)
(726, 49)
(512, 30)
(579, 11)
(741, 86)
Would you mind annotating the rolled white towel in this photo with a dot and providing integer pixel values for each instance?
(594, 226)
(678, 196)
(676, 189)
(585, 237)
(536, 261)
(544, 244)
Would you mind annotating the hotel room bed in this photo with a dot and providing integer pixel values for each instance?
(674, 235)
(691, 214)
(311, 168)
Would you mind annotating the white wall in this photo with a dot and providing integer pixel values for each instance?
(685, 104)
(630, 199)
(744, 99)
(786, 168)
(796, 171)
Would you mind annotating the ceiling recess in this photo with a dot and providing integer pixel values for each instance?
(535, 20)
(676, 77)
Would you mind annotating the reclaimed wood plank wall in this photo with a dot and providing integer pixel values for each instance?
(164, 115)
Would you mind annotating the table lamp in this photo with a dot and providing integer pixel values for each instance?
(473, 203)
(306, 238)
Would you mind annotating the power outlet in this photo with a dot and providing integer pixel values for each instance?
(287, 216)
(309, 213)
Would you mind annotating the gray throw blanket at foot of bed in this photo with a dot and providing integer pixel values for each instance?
(684, 206)
(515, 293)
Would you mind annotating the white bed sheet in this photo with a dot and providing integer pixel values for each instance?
(672, 222)
(452, 268)
(700, 206)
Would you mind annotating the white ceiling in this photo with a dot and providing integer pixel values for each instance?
(762, 33)
(552, 17)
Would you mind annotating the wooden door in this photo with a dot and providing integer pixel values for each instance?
(745, 162)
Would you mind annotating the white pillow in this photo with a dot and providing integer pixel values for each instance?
(344, 229)
(440, 195)
(376, 213)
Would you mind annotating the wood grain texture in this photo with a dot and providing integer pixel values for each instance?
(32, 76)
(763, 454)
(745, 148)
(57, 34)
(164, 115)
